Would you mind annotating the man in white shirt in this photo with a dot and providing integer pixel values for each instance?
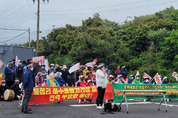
(101, 82)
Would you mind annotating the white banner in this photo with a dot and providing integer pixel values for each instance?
(39, 59)
(74, 68)
(157, 79)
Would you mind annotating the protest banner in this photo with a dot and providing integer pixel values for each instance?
(172, 91)
(157, 79)
(74, 68)
(94, 61)
(174, 74)
(137, 73)
(89, 64)
(146, 76)
(1, 75)
(1, 63)
(17, 61)
(39, 59)
(43, 95)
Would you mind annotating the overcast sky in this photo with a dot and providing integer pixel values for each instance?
(21, 14)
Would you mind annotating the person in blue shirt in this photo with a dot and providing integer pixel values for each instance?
(165, 80)
(59, 79)
(28, 87)
(9, 74)
(146, 81)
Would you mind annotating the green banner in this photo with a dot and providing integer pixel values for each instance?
(172, 91)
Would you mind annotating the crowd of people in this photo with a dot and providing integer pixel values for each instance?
(33, 74)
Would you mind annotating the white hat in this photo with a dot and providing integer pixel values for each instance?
(101, 65)
(64, 67)
(89, 81)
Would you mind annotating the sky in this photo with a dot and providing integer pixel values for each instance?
(21, 15)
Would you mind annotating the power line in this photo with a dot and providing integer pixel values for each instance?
(13, 37)
(13, 29)
(102, 6)
(13, 5)
(21, 22)
(116, 9)
(16, 10)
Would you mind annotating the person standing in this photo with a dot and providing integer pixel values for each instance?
(101, 82)
(28, 87)
(117, 72)
(123, 72)
(19, 72)
(9, 74)
(65, 73)
(36, 68)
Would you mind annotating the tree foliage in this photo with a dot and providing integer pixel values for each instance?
(147, 43)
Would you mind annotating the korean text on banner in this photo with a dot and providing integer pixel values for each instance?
(17, 61)
(157, 79)
(146, 76)
(172, 91)
(174, 74)
(39, 59)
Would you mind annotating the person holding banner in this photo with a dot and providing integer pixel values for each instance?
(101, 82)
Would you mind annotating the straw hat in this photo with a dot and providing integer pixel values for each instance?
(64, 67)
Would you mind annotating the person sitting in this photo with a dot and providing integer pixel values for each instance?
(81, 82)
(131, 79)
(58, 77)
(43, 71)
(110, 79)
(120, 79)
(52, 69)
(90, 83)
(51, 81)
(38, 78)
(3, 88)
(16, 89)
(165, 80)
(136, 80)
(145, 81)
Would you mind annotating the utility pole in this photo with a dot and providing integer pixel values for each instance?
(29, 36)
(38, 21)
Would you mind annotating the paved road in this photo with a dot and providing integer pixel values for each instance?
(71, 109)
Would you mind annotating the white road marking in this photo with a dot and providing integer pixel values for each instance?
(88, 105)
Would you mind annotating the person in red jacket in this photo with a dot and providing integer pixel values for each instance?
(117, 72)
(82, 83)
